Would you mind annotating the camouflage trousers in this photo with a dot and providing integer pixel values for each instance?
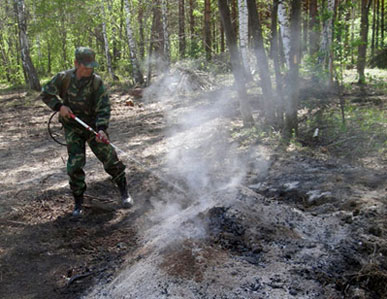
(76, 138)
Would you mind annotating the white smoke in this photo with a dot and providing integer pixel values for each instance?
(203, 159)
(200, 154)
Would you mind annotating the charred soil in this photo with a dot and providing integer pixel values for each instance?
(304, 221)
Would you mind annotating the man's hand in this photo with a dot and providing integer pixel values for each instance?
(101, 137)
(65, 111)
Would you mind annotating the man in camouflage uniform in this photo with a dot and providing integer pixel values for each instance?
(83, 93)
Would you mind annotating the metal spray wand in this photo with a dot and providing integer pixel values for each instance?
(106, 141)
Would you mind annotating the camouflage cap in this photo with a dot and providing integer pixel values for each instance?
(86, 56)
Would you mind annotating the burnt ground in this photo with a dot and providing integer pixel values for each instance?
(257, 220)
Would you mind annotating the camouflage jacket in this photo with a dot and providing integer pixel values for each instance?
(87, 98)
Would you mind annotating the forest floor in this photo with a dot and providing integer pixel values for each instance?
(220, 211)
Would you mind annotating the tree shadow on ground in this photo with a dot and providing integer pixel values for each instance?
(47, 253)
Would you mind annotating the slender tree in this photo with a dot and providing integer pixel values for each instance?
(243, 32)
(377, 23)
(141, 29)
(382, 28)
(283, 20)
(325, 57)
(262, 61)
(207, 28)
(29, 70)
(192, 27)
(136, 71)
(313, 27)
(167, 48)
(291, 121)
(106, 43)
(275, 56)
(362, 49)
(239, 74)
(181, 29)
(373, 36)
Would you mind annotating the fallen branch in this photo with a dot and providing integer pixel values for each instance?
(83, 275)
(13, 222)
(79, 276)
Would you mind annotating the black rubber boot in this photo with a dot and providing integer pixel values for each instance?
(126, 199)
(78, 211)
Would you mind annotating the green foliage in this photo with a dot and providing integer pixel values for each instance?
(313, 70)
(363, 133)
(246, 136)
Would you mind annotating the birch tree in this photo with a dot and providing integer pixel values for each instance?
(326, 37)
(237, 69)
(276, 63)
(262, 61)
(106, 43)
(243, 33)
(137, 75)
(30, 73)
(283, 20)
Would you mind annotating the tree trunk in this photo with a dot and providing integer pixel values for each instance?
(244, 33)
(293, 80)
(106, 44)
(234, 14)
(373, 29)
(136, 71)
(156, 41)
(63, 38)
(382, 28)
(362, 49)
(326, 41)
(305, 25)
(140, 19)
(347, 48)
(114, 37)
(157, 38)
(193, 39)
(222, 43)
(181, 29)
(353, 15)
(236, 64)
(313, 28)
(283, 20)
(5, 59)
(377, 24)
(164, 14)
(262, 61)
(277, 69)
(207, 29)
(121, 49)
(29, 70)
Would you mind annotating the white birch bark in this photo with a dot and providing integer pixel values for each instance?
(137, 75)
(28, 67)
(106, 43)
(243, 33)
(284, 23)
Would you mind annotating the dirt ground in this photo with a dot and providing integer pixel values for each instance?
(253, 221)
